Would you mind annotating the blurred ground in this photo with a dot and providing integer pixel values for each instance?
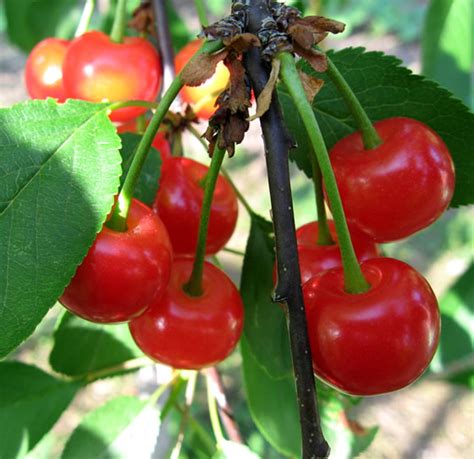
(432, 419)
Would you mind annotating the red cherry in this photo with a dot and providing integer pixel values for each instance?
(43, 70)
(374, 342)
(315, 258)
(124, 272)
(179, 201)
(96, 69)
(191, 332)
(398, 188)
(200, 97)
(160, 141)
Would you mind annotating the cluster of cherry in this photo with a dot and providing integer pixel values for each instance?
(137, 275)
(377, 339)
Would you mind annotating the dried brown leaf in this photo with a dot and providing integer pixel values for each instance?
(201, 67)
(316, 59)
(242, 42)
(265, 98)
(311, 85)
(143, 19)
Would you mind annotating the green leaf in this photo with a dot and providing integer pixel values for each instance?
(123, 428)
(147, 185)
(30, 21)
(85, 349)
(265, 323)
(272, 404)
(455, 355)
(347, 438)
(59, 171)
(448, 46)
(31, 401)
(386, 89)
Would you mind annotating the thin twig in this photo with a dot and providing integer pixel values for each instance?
(225, 411)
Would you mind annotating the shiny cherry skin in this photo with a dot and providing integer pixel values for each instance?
(375, 342)
(191, 332)
(399, 187)
(124, 272)
(315, 258)
(179, 201)
(199, 97)
(160, 142)
(43, 70)
(96, 69)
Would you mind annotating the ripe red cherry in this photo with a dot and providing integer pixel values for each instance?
(43, 70)
(202, 98)
(191, 332)
(124, 272)
(315, 258)
(374, 342)
(159, 142)
(96, 69)
(398, 188)
(179, 201)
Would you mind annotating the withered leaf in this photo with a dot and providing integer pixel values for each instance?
(242, 42)
(201, 67)
(311, 85)
(316, 59)
(265, 98)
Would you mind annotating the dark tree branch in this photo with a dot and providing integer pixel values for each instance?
(277, 143)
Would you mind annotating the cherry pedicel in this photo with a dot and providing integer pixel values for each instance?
(202, 98)
(43, 70)
(179, 201)
(97, 69)
(124, 272)
(373, 342)
(191, 332)
(399, 187)
(315, 258)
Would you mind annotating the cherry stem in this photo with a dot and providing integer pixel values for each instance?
(324, 235)
(120, 22)
(86, 17)
(194, 285)
(141, 124)
(118, 221)
(370, 136)
(214, 414)
(201, 12)
(354, 280)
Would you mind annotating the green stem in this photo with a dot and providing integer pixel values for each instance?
(141, 124)
(233, 251)
(132, 103)
(214, 414)
(118, 221)
(86, 17)
(370, 136)
(120, 22)
(201, 12)
(194, 285)
(240, 196)
(324, 235)
(354, 280)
